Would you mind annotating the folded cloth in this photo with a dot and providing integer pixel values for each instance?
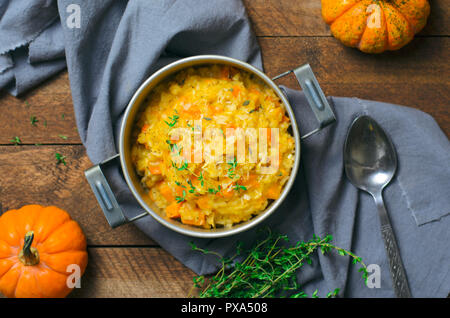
(31, 44)
(119, 44)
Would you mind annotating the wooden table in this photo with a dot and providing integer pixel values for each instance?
(124, 262)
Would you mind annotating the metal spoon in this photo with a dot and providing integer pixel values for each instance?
(370, 162)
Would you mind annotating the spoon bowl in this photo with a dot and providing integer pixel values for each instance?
(370, 159)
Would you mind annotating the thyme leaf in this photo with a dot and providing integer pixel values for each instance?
(214, 191)
(183, 166)
(173, 120)
(60, 158)
(182, 198)
(239, 187)
(16, 140)
(200, 178)
(33, 120)
(170, 145)
(192, 189)
(231, 171)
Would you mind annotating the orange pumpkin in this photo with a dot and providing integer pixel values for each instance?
(37, 246)
(375, 26)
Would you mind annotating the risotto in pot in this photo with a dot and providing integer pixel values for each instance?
(212, 146)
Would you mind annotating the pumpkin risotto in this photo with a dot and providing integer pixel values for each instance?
(186, 183)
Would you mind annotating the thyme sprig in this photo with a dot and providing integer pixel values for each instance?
(173, 120)
(268, 269)
(60, 158)
(214, 191)
(180, 199)
(237, 187)
(192, 188)
(231, 170)
(171, 145)
(184, 166)
(33, 120)
(16, 141)
(200, 178)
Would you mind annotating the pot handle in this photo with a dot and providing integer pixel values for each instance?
(105, 196)
(314, 95)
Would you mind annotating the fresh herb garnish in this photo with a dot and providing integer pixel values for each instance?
(174, 147)
(206, 118)
(182, 198)
(183, 167)
(239, 187)
(16, 140)
(170, 145)
(60, 158)
(174, 120)
(62, 137)
(200, 178)
(179, 184)
(190, 125)
(246, 103)
(268, 268)
(192, 189)
(231, 171)
(214, 191)
(33, 120)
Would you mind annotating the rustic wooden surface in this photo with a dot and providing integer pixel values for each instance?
(126, 263)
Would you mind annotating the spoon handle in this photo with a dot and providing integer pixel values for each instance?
(399, 280)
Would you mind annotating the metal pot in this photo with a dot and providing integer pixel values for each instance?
(105, 195)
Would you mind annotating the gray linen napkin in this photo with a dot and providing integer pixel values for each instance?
(31, 44)
(120, 43)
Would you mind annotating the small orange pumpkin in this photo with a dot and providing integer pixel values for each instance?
(375, 26)
(37, 246)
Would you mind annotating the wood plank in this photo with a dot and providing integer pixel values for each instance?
(30, 175)
(424, 61)
(134, 272)
(415, 77)
(304, 18)
(287, 18)
(438, 22)
(51, 104)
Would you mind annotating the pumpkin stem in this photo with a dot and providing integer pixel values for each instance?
(29, 256)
